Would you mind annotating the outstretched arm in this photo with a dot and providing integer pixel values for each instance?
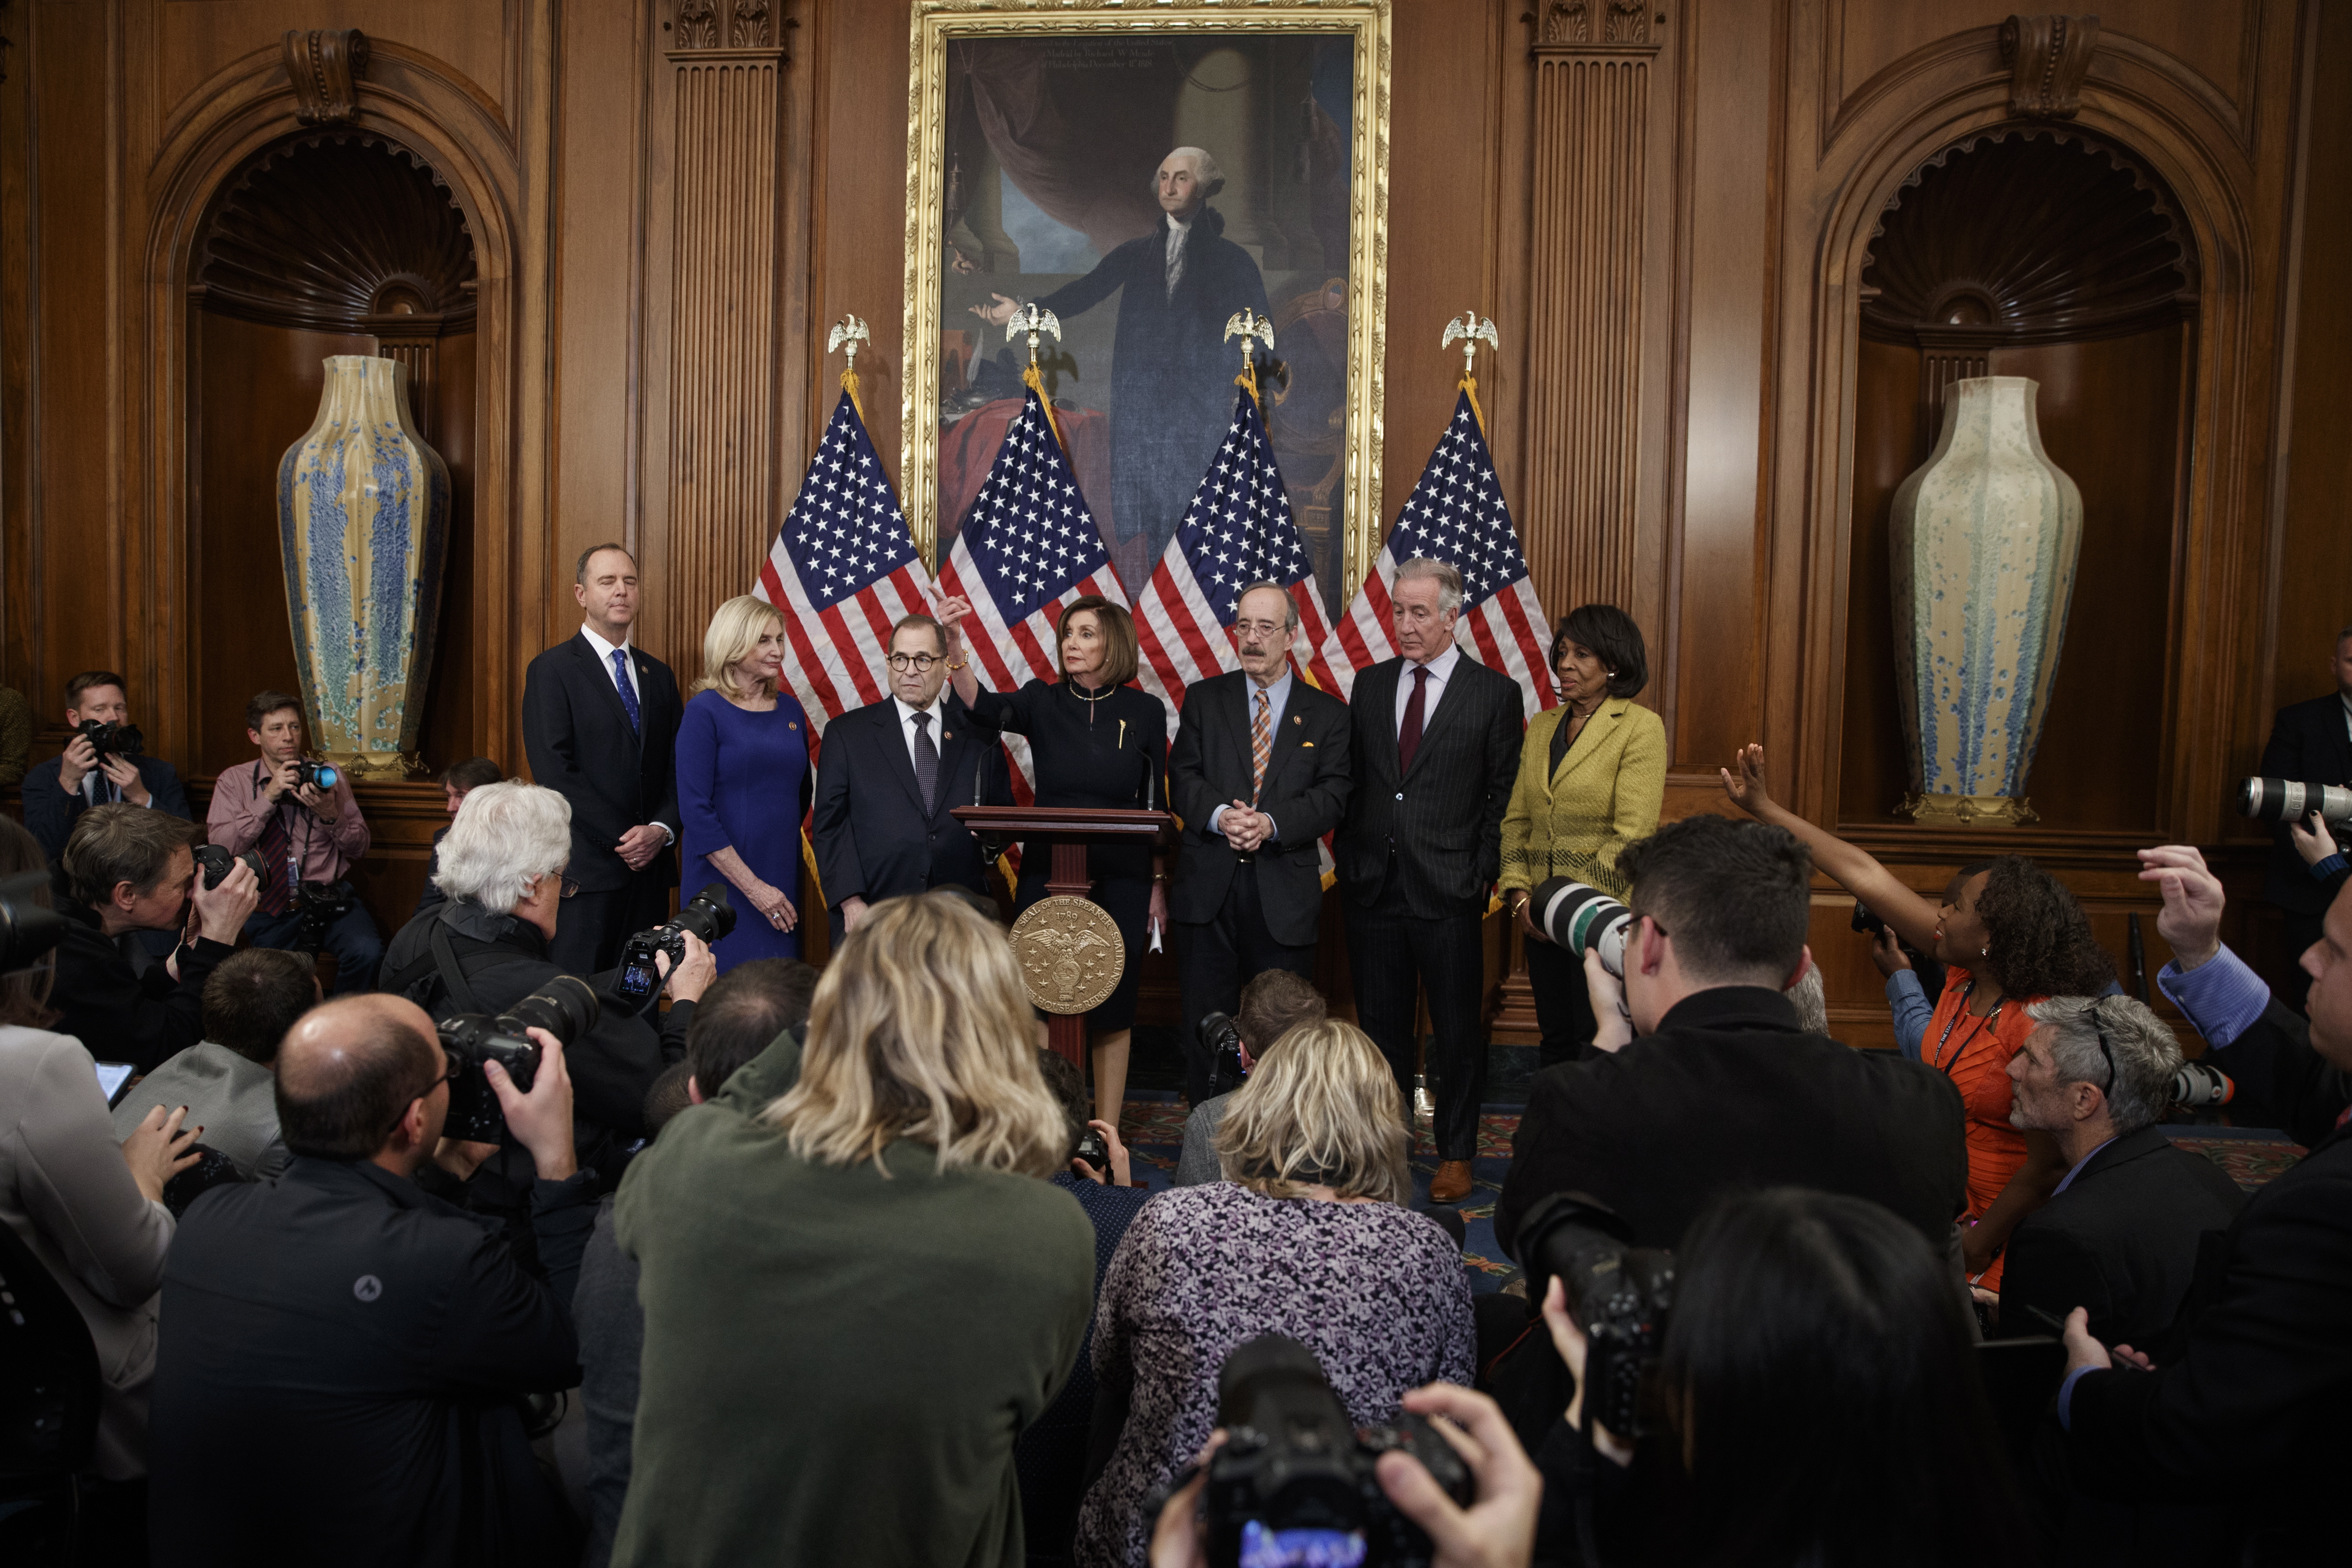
(1854, 869)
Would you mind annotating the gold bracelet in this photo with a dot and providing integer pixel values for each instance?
(958, 665)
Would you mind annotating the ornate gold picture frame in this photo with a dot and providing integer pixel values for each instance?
(1039, 139)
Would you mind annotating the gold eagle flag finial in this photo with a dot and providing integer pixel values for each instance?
(1246, 323)
(846, 334)
(1035, 320)
(1470, 329)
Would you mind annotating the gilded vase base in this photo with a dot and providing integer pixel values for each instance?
(1070, 953)
(377, 767)
(1969, 810)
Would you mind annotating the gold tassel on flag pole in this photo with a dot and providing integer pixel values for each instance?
(1246, 323)
(847, 333)
(1470, 329)
(1035, 320)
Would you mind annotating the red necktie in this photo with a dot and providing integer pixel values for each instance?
(276, 891)
(1409, 738)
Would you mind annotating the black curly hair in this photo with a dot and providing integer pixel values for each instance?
(2041, 939)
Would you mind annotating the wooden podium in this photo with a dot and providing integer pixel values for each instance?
(1065, 942)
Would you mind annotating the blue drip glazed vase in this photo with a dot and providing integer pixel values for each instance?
(363, 527)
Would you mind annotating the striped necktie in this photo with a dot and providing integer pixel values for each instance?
(1261, 745)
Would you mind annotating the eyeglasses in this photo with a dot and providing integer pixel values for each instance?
(920, 663)
(450, 1068)
(570, 890)
(2105, 1049)
(1260, 629)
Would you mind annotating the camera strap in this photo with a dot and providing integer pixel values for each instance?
(453, 977)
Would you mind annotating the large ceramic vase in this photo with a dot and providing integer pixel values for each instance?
(363, 523)
(1985, 535)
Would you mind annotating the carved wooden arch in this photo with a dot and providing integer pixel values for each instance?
(408, 101)
(2167, 123)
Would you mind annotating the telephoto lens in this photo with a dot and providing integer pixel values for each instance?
(2285, 800)
(2195, 1086)
(29, 924)
(709, 915)
(216, 862)
(1582, 918)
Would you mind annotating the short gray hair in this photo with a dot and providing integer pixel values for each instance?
(1812, 1002)
(1204, 169)
(1290, 604)
(506, 837)
(1448, 580)
(2146, 1054)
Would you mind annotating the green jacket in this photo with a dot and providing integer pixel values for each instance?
(836, 1363)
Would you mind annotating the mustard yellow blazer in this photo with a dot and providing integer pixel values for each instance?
(1606, 794)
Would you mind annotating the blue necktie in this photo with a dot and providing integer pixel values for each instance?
(621, 680)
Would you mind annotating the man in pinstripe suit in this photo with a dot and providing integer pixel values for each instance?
(1436, 743)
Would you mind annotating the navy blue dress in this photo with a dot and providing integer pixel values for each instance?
(743, 785)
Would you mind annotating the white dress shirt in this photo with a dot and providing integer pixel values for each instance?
(1276, 696)
(938, 711)
(1440, 669)
(1172, 261)
(605, 652)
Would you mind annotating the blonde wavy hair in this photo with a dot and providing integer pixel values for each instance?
(1320, 1107)
(921, 1029)
(733, 632)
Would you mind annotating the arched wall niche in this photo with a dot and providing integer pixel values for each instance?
(2050, 253)
(212, 308)
(2192, 610)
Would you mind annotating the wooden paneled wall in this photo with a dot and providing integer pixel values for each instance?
(1665, 211)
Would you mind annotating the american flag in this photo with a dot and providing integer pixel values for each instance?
(1028, 546)
(1456, 514)
(1238, 531)
(844, 570)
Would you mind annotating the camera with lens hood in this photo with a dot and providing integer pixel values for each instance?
(1294, 1486)
(2285, 800)
(709, 915)
(216, 862)
(1221, 1041)
(1581, 919)
(1618, 1293)
(565, 1007)
(319, 775)
(111, 740)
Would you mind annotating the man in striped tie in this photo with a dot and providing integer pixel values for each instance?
(1259, 774)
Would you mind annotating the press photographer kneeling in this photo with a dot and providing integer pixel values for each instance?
(485, 949)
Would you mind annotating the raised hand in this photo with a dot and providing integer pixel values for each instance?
(2190, 923)
(1743, 781)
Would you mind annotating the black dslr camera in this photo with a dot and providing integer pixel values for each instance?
(1294, 1485)
(318, 775)
(111, 740)
(708, 916)
(1220, 1039)
(1093, 1149)
(566, 1008)
(320, 905)
(214, 862)
(1618, 1294)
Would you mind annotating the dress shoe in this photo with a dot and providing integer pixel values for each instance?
(1452, 1183)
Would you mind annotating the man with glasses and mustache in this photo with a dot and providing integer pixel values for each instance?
(1259, 772)
(887, 778)
(2119, 1236)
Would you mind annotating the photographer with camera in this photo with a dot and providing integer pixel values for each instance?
(300, 818)
(373, 1341)
(458, 779)
(502, 868)
(2310, 743)
(1307, 1236)
(127, 872)
(1273, 1004)
(228, 1081)
(1811, 1397)
(103, 764)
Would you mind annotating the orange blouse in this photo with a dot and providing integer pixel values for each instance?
(1975, 1053)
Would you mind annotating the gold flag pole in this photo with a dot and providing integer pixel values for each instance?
(1035, 320)
(1246, 323)
(1470, 329)
(847, 333)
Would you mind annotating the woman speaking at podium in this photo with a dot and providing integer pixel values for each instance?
(1093, 740)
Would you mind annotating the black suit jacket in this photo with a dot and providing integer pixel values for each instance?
(580, 742)
(50, 812)
(875, 838)
(372, 1340)
(1729, 1095)
(2122, 1240)
(120, 1012)
(2308, 744)
(2252, 1408)
(1307, 782)
(1446, 816)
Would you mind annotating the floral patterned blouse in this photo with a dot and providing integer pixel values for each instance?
(1376, 1291)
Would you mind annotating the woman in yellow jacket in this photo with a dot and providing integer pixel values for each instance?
(1593, 774)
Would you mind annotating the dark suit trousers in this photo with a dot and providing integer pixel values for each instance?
(1563, 1003)
(1214, 959)
(1395, 956)
(591, 927)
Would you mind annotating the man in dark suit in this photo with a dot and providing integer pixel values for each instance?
(1436, 742)
(600, 726)
(2121, 1233)
(2250, 1409)
(1721, 1089)
(57, 791)
(888, 777)
(391, 1331)
(1259, 772)
(2311, 743)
